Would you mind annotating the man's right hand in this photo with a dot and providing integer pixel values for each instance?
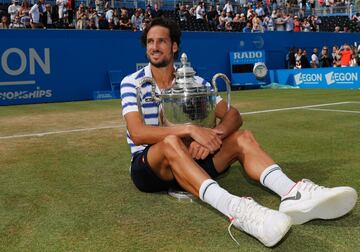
(206, 137)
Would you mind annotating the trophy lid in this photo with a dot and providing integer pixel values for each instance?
(185, 74)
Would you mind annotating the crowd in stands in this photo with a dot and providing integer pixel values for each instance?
(344, 56)
(249, 16)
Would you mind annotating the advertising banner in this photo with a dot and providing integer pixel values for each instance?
(38, 66)
(337, 77)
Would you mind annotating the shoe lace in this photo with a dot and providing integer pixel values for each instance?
(248, 217)
(310, 186)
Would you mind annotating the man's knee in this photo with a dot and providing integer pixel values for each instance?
(172, 145)
(246, 139)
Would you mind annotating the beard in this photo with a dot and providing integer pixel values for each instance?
(162, 63)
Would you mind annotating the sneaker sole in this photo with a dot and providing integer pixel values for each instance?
(329, 208)
(286, 227)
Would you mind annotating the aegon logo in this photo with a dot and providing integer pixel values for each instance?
(341, 78)
(301, 78)
(248, 55)
(16, 62)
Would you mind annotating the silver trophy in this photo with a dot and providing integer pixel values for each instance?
(186, 101)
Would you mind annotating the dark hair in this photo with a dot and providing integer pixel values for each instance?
(171, 25)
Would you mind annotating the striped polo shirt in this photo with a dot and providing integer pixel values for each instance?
(150, 110)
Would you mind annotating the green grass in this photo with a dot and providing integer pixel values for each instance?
(72, 191)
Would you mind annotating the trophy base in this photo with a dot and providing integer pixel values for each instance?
(181, 195)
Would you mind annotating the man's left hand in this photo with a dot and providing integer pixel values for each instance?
(197, 151)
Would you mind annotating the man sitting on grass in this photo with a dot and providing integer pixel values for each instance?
(160, 160)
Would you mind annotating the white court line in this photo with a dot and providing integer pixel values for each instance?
(62, 131)
(294, 108)
(334, 110)
(123, 125)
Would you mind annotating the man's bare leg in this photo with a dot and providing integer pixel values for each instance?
(258, 165)
(170, 159)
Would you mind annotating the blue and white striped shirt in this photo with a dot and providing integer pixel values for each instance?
(150, 110)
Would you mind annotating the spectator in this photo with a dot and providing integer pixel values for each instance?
(269, 24)
(298, 54)
(259, 10)
(81, 18)
(48, 19)
(200, 13)
(109, 15)
(183, 14)
(136, 20)
(353, 60)
(306, 27)
(36, 14)
(325, 60)
(297, 24)
(99, 6)
(116, 20)
(236, 19)
(315, 59)
(93, 19)
(279, 23)
(345, 52)
(336, 57)
(17, 23)
(13, 10)
(70, 7)
(304, 60)
(156, 12)
(228, 17)
(257, 28)
(247, 28)
(4, 22)
(228, 7)
(218, 9)
(61, 4)
(125, 22)
(24, 14)
(228, 26)
(290, 58)
(222, 21)
(289, 23)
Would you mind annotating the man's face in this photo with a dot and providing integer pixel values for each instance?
(159, 48)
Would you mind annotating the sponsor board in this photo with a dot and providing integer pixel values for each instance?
(328, 77)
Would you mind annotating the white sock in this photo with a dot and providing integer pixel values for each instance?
(211, 193)
(277, 181)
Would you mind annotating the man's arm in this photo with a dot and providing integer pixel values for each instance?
(231, 120)
(147, 134)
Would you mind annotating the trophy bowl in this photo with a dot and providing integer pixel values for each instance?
(187, 101)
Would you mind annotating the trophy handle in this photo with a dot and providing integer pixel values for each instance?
(228, 86)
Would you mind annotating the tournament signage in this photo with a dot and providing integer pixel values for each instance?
(337, 77)
(18, 70)
(242, 68)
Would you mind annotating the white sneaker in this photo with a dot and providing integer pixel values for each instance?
(308, 201)
(267, 225)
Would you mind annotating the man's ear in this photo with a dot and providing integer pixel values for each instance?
(175, 47)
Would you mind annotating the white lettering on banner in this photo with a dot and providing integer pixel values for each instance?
(34, 57)
(248, 55)
(341, 78)
(17, 95)
(301, 78)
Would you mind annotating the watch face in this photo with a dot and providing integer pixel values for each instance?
(260, 70)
